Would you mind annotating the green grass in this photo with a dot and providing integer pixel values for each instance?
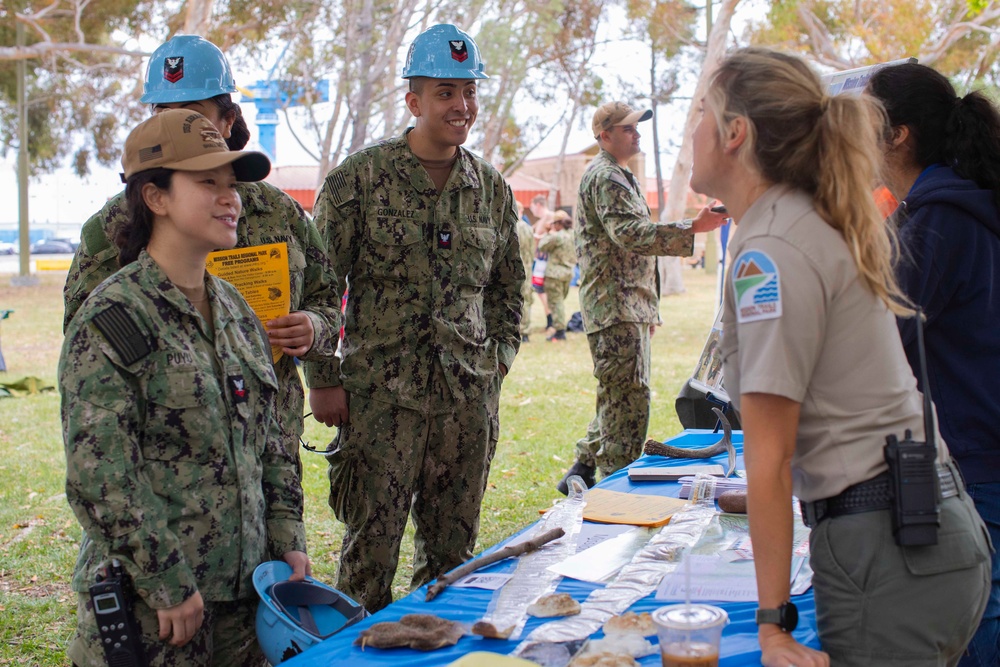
(547, 401)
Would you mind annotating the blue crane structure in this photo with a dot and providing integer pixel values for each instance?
(269, 95)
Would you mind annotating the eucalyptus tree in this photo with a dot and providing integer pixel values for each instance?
(572, 52)
(84, 66)
(960, 38)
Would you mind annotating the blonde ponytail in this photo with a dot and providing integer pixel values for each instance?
(849, 132)
(827, 146)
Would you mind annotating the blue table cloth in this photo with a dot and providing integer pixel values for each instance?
(467, 605)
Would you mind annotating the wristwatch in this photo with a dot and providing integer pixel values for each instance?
(785, 617)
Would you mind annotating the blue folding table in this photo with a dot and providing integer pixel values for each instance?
(467, 605)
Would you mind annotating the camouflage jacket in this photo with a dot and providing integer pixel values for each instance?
(562, 254)
(269, 216)
(174, 463)
(616, 243)
(432, 278)
(526, 243)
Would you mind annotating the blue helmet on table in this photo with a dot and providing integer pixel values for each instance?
(444, 52)
(295, 615)
(187, 68)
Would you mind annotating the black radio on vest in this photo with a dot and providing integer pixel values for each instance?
(913, 477)
(111, 596)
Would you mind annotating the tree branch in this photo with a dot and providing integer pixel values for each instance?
(507, 552)
(44, 48)
(824, 50)
(295, 135)
(958, 31)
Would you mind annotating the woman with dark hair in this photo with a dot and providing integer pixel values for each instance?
(942, 162)
(813, 363)
(175, 466)
(189, 72)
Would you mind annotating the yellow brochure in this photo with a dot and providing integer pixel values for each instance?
(605, 506)
(260, 273)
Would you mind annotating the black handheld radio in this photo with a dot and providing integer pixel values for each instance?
(119, 635)
(913, 472)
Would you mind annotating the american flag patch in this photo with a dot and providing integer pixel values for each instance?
(151, 153)
(339, 190)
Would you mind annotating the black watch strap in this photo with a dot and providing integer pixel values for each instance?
(785, 617)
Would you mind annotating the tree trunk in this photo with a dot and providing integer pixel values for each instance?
(654, 98)
(561, 158)
(197, 17)
(327, 159)
(716, 46)
(361, 105)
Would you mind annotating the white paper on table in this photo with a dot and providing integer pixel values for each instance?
(802, 581)
(598, 563)
(721, 577)
(592, 534)
(487, 581)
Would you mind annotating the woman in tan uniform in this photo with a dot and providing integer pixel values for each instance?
(814, 363)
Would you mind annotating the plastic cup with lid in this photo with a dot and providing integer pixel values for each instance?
(690, 634)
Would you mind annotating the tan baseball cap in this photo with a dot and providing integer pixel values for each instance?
(612, 114)
(185, 140)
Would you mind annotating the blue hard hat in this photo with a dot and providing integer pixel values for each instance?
(444, 52)
(188, 68)
(295, 615)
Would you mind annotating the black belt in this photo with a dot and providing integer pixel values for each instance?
(868, 496)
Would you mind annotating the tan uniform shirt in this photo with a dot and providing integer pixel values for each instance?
(799, 323)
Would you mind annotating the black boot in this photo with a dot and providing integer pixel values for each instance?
(525, 338)
(586, 472)
(548, 321)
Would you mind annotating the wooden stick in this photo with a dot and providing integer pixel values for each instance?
(470, 566)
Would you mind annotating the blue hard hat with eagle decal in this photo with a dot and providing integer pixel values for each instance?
(444, 52)
(187, 68)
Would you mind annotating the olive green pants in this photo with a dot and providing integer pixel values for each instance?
(881, 604)
(227, 637)
(526, 294)
(617, 432)
(557, 290)
(388, 460)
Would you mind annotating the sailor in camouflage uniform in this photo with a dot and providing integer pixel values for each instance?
(617, 244)
(425, 234)
(526, 241)
(558, 245)
(312, 329)
(174, 462)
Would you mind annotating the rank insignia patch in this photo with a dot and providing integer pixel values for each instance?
(173, 69)
(444, 239)
(459, 51)
(239, 388)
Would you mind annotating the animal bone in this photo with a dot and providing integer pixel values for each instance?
(656, 448)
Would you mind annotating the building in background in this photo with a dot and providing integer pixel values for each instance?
(531, 179)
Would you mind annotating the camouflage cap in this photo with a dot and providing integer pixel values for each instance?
(611, 114)
(185, 140)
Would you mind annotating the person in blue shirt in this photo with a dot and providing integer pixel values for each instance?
(942, 162)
